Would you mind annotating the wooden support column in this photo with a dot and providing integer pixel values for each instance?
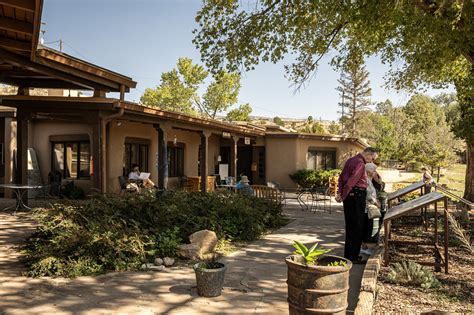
(446, 235)
(22, 148)
(162, 157)
(233, 157)
(204, 159)
(96, 155)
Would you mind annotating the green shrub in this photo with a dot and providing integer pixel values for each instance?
(120, 233)
(411, 273)
(314, 178)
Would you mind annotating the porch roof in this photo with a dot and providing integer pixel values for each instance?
(24, 63)
(313, 136)
(131, 111)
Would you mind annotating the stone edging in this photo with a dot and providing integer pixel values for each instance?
(368, 283)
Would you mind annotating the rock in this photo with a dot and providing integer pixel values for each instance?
(146, 266)
(158, 261)
(168, 261)
(190, 251)
(205, 239)
(157, 268)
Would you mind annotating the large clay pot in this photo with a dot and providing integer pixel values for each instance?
(209, 281)
(317, 289)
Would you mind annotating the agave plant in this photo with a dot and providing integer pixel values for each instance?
(310, 255)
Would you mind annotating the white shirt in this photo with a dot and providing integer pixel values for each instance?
(134, 176)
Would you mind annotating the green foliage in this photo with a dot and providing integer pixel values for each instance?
(277, 120)
(313, 178)
(178, 90)
(310, 255)
(339, 263)
(313, 127)
(411, 273)
(120, 233)
(71, 191)
(242, 113)
(334, 128)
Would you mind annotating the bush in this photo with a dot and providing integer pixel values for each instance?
(121, 233)
(314, 178)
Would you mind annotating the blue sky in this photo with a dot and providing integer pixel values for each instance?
(143, 38)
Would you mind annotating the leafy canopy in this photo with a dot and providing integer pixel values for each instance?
(178, 90)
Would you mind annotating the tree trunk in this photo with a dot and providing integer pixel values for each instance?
(469, 181)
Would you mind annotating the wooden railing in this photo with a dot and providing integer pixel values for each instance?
(268, 193)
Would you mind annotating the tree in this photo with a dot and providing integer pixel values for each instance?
(178, 90)
(242, 113)
(310, 119)
(334, 128)
(277, 120)
(431, 40)
(354, 88)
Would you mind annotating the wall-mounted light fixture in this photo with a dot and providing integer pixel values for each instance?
(219, 158)
(175, 140)
(119, 123)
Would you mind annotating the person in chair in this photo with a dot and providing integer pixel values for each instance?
(134, 177)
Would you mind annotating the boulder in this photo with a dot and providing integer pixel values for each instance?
(158, 261)
(205, 239)
(168, 261)
(190, 251)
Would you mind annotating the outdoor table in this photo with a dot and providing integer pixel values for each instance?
(228, 187)
(20, 191)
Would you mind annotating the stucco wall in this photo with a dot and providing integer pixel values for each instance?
(284, 156)
(39, 133)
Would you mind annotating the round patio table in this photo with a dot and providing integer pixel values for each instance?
(20, 191)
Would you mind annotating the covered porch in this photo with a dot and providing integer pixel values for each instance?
(92, 141)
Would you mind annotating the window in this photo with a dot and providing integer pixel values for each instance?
(135, 152)
(321, 159)
(175, 159)
(72, 159)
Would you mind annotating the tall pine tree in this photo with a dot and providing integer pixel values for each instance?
(355, 91)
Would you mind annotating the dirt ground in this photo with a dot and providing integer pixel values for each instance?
(456, 292)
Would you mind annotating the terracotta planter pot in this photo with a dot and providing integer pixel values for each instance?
(209, 281)
(317, 289)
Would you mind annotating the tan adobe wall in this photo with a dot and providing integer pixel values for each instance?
(39, 133)
(284, 156)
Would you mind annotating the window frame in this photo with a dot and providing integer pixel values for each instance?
(140, 143)
(326, 152)
(65, 144)
(176, 167)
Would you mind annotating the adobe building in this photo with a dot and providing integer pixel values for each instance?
(93, 140)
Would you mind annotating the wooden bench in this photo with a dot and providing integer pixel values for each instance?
(267, 193)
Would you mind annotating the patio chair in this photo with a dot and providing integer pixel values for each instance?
(321, 196)
(126, 186)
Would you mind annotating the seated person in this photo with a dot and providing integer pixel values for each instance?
(134, 177)
(244, 187)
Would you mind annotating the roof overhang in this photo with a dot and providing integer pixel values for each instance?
(132, 111)
(24, 63)
(311, 136)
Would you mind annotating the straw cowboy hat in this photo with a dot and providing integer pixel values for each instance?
(244, 179)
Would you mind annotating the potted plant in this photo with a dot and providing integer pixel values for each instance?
(317, 283)
(209, 277)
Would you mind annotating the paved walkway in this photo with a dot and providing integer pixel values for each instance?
(255, 279)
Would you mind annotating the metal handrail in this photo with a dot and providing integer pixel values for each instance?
(454, 196)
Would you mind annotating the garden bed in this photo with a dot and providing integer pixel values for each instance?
(456, 290)
(121, 233)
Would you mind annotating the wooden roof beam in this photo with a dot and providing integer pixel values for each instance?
(14, 44)
(27, 5)
(16, 26)
(33, 66)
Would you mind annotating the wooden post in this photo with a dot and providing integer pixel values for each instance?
(436, 222)
(204, 157)
(233, 157)
(386, 232)
(22, 151)
(162, 158)
(446, 235)
(96, 155)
